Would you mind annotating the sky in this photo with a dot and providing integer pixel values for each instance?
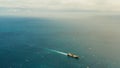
(20, 6)
(94, 5)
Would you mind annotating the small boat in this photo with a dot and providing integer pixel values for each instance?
(73, 55)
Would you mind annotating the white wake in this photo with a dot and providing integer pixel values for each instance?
(63, 53)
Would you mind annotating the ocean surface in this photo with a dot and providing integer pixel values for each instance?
(43, 43)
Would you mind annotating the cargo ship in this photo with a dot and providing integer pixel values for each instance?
(72, 56)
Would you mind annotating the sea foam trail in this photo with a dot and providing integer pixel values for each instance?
(63, 53)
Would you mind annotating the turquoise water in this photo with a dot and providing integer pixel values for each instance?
(43, 43)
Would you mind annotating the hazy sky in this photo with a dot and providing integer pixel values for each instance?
(59, 8)
(61, 5)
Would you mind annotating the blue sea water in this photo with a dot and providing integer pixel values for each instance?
(43, 43)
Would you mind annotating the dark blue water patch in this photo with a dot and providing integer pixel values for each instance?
(18, 23)
(22, 40)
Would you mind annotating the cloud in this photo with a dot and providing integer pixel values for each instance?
(61, 5)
